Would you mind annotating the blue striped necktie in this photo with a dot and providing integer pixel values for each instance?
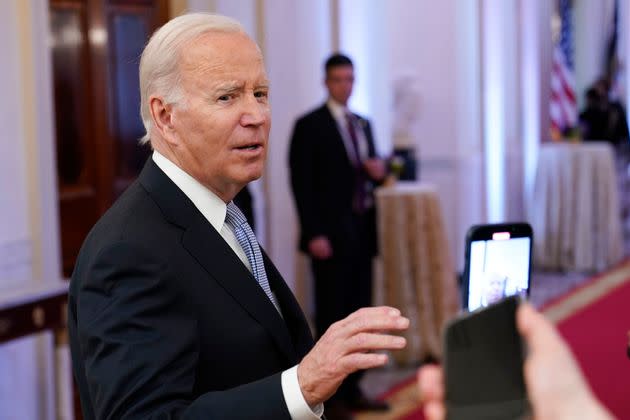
(249, 244)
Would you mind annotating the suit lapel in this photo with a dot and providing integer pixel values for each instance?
(291, 310)
(211, 251)
(332, 127)
(334, 135)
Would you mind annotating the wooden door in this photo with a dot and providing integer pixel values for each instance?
(96, 46)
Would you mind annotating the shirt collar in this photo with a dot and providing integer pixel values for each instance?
(337, 110)
(207, 202)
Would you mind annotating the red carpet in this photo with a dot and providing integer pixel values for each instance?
(595, 320)
(598, 336)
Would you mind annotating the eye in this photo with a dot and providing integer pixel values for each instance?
(261, 94)
(224, 98)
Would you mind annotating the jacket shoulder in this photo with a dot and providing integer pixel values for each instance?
(314, 115)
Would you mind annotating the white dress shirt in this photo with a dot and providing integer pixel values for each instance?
(214, 210)
(339, 113)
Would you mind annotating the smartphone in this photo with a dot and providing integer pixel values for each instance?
(498, 263)
(483, 365)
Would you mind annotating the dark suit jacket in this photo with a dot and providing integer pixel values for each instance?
(323, 181)
(166, 322)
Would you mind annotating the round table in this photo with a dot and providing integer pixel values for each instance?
(418, 272)
(575, 209)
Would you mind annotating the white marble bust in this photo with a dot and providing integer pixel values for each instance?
(406, 111)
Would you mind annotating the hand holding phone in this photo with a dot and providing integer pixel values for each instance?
(555, 386)
(483, 365)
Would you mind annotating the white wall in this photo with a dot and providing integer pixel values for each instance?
(437, 44)
(294, 65)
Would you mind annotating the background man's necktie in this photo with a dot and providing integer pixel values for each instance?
(248, 242)
(360, 176)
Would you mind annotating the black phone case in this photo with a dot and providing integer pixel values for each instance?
(484, 365)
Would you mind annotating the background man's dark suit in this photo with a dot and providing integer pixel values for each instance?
(324, 182)
(169, 323)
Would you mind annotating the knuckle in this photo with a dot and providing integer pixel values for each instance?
(336, 326)
(361, 324)
(361, 339)
(359, 313)
(351, 363)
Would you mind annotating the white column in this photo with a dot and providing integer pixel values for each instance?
(501, 70)
(364, 36)
(470, 192)
(15, 235)
(535, 84)
(41, 150)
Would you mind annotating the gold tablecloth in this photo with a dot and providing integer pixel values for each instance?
(418, 272)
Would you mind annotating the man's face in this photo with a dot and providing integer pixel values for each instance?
(339, 81)
(495, 287)
(222, 124)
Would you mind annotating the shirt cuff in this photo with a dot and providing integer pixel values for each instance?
(298, 408)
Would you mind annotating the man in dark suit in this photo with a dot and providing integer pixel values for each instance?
(175, 312)
(334, 169)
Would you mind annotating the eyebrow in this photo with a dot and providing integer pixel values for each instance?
(229, 87)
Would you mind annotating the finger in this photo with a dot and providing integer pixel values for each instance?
(358, 321)
(373, 319)
(435, 411)
(368, 341)
(537, 331)
(359, 361)
(374, 310)
(431, 383)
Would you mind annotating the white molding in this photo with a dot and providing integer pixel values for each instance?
(47, 240)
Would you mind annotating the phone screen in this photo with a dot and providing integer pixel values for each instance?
(499, 266)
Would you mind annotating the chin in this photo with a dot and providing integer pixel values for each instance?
(252, 174)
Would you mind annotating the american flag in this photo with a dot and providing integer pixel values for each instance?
(563, 107)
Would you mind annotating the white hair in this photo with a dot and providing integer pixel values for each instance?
(159, 71)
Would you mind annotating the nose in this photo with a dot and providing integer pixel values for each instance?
(255, 112)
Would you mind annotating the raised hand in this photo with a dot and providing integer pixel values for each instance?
(347, 346)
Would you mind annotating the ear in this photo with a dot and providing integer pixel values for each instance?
(162, 116)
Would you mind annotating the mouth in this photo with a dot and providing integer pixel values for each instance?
(250, 147)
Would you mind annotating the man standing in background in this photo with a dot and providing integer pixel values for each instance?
(334, 169)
